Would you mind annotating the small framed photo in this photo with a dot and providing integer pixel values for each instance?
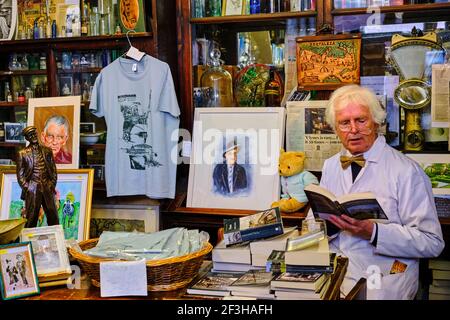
(49, 250)
(18, 276)
(13, 132)
(126, 218)
(99, 171)
(8, 10)
(233, 7)
(65, 86)
(87, 127)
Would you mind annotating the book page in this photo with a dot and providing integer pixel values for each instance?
(307, 130)
(440, 95)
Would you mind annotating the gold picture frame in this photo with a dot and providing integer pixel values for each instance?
(75, 185)
(328, 62)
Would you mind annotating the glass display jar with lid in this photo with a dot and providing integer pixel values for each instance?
(218, 83)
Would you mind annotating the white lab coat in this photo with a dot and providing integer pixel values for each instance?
(413, 230)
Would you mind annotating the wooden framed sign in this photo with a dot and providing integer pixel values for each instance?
(328, 62)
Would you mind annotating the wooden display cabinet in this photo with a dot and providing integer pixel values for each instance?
(159, 41)
(325, 15)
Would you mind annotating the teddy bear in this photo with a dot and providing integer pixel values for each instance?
(293, 181)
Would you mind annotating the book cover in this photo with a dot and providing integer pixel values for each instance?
(316, 255)
(254, 278)
(359, 206)
(235, 254)
(276, 264)
(260, 225)
(309, 281)
(214, 284)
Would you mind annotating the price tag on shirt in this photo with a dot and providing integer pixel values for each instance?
(135, 54)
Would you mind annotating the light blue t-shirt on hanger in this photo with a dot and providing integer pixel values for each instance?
(140, 107)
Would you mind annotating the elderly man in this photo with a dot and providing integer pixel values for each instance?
(55, 136)
(37, 176)
(387, 254)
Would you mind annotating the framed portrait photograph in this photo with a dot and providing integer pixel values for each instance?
(49, 250)
(66, 86)
(437, 168)
(87, 127)
(57, 121)
(8, 19)
(126, 218)
(13, 132)
(328, 62)
(233, 7)
(73, 201)
(234, 162)
(18, 276)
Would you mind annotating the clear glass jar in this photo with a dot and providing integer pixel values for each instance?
(28, 94)
(42, 63)
(218, 83)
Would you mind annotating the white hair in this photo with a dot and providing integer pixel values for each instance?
(356, 94)
(58, 120)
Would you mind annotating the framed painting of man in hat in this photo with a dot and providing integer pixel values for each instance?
(234, 160)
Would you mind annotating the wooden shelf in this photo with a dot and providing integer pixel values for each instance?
(61, 43)
(13, 104)
(23, 73)
(12, 144)
(254, 17)
(423, 8)
(79, 70)
(98, 146)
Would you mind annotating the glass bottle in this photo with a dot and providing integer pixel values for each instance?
(218, 83)
(28, 94)
(45, 90)
(48, 30)
(8, 94)
(199, 8)
(77, 88)
(21, 96)
(214, 8)
(38, 91)
(54, 32)
(272, 90)
(36, 30)
(255, 6)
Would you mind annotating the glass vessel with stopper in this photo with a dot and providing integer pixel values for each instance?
(218, 83)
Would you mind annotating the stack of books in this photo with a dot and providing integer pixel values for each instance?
(253, 284)
(440, 285)
(300, 286)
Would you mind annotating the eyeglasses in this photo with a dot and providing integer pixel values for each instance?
(360, 123)
(52, 138)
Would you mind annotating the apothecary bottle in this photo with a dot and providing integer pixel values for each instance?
(213, 8)
(272, 90)
(218, 83)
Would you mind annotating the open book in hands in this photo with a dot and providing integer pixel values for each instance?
(359, 206)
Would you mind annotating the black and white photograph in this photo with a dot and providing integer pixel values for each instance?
(8, 17)
(66, 86)
(13, 132)
(87, 127)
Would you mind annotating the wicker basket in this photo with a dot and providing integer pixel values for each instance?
(162, 275)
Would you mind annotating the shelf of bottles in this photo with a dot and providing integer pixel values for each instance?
(213, 12)
(77, 71)
(350, 7)
(45, 19)
(22, 76)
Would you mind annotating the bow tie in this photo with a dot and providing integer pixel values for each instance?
(346, 161)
